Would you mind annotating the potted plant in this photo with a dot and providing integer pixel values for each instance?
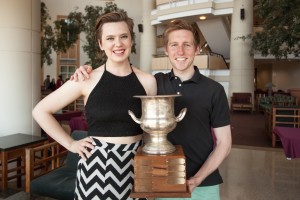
(47, 36)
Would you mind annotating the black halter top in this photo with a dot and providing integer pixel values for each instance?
(108, 104)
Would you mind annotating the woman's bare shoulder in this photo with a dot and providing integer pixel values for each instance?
(93, 79)
(96, 74)
(88, 84)
(147, 80)
(100, 68)
(139, 72)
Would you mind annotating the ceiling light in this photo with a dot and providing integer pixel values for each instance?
(202, 17)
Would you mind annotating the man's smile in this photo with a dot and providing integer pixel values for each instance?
(180, 59)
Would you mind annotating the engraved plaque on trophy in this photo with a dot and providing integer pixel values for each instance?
(159, 166)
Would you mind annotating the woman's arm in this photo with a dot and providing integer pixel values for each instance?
(43, 114)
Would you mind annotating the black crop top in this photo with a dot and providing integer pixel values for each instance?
(108, 104)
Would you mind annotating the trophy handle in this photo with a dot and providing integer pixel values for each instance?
(134, 117)
(181, 115)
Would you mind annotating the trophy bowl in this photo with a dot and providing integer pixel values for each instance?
(157, 121)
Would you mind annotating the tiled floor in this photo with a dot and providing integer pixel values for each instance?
(249, 174)
(260, 175)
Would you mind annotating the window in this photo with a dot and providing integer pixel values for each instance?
(67, 62)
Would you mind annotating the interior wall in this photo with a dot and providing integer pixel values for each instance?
(264, 75)
(20, 58)
(283, 74)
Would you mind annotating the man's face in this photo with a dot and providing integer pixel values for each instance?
(181, 50)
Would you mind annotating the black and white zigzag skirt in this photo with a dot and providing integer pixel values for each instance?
(108, 173)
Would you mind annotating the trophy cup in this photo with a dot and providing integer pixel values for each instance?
(159, 166)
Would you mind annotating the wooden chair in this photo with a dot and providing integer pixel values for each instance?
(53, 180)
(41, 160)
(283, 117)
(241, 101)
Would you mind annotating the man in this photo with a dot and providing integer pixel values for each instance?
(47, 82)
(204, 132)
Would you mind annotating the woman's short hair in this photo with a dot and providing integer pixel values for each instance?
(117, 16)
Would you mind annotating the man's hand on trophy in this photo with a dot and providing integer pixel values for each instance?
(192, 183)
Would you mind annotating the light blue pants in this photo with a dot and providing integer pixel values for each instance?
(201, 193)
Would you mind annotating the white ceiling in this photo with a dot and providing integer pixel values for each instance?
(215, 33)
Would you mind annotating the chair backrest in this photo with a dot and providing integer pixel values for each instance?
(72, 158)
(67, 115)
(286, 116)
(241, 97)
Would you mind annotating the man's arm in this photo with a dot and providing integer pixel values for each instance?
(220, 152)
(82, 73)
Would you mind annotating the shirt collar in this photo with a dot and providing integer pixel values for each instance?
(195, 78)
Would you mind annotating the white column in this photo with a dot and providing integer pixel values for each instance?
(241, 63)
(148, 37)
(19, 65)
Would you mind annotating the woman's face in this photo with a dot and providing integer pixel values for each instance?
(116, 41)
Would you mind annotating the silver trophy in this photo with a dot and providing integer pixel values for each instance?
(157, 121)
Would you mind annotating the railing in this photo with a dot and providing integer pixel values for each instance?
(205, 60)
(216, 61)
(167, 4)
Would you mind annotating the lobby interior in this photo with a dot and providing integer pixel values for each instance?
(249, 172)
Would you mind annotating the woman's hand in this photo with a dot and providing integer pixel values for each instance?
(81, 73)
(81, 147)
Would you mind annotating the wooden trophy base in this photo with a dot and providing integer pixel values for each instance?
(160, 175)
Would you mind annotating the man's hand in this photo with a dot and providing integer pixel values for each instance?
(82, 73)
(192, 183)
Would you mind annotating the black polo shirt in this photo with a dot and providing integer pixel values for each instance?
(207, 106)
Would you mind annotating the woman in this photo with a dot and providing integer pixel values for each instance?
(105, 170)
(59, 81)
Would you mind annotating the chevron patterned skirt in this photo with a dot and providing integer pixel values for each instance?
(108, 173)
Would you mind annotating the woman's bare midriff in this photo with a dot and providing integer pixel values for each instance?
(120, 140)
